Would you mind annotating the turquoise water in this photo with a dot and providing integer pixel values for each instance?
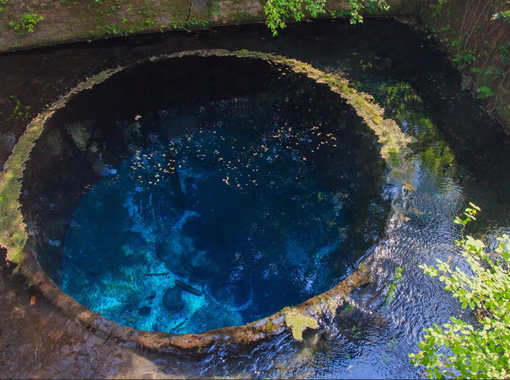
(254, 203)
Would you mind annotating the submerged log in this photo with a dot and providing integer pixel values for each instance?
(188, 288)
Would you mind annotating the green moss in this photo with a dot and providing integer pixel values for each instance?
(269, 327)
(13, 233)
(298, 323)
(397, 277)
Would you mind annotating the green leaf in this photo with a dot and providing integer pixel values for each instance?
(475, 206)
(484, 92)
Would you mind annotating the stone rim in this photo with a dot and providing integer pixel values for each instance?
(296, 319)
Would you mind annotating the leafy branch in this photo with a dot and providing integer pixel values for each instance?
(279, 12)
(459, 349)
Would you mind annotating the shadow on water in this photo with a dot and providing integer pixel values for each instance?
(460, 155)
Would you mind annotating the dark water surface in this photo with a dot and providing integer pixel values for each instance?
(460, 155)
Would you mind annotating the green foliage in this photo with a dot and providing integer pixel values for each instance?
(459, 349)
(504, 53)
(462, 60)
(397, 277)
(278, 12)
(484, 92)
(357, 6)
(503, 14)
(149, 21)
(113, 29)
(438, 7)
(403, 105)
(19, 112)
(469, 213)
(27, 22)
(476, 40)
(371, 7)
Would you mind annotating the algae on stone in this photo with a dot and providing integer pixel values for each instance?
(298, 323)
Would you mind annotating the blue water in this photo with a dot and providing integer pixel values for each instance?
(248, 208)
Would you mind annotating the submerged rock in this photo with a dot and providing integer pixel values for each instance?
(144, 310)
(172, 300)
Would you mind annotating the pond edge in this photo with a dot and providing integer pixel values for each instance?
(307, 315)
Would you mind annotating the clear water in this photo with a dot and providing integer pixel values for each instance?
(458, 157)
(254, 204)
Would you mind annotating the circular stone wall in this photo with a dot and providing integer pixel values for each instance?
(202, 191)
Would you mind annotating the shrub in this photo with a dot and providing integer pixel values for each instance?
(460, 349)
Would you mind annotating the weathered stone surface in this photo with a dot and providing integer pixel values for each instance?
(67, 20)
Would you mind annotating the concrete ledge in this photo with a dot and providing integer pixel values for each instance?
(67, 21)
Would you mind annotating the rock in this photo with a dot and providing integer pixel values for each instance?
(144, 310)
(172, 300)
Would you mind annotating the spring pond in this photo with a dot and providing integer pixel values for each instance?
(459, 156)
(212, 206)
